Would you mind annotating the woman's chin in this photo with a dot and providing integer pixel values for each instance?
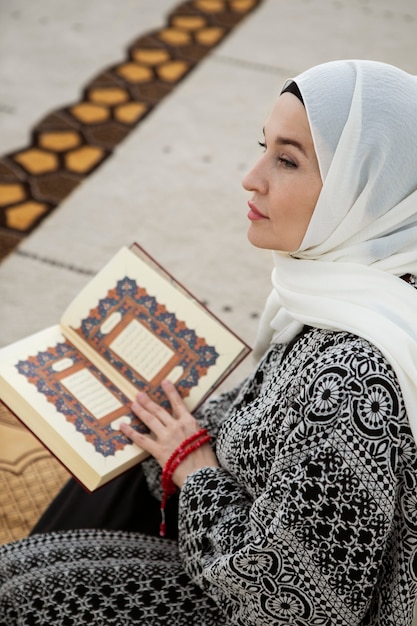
(260, 240)
(256, 238)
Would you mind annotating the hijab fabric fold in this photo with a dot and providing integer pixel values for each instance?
(363, 233)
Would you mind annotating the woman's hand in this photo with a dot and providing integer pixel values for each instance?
(168, 432)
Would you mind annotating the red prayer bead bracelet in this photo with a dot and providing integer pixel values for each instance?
(188, 446)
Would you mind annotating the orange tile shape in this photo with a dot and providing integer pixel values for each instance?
(210, 36)
(150, 57)
(172, 71)
(189, 22)
(130, 112)
(83, 159)
(108, 95)
(175, 36)
(90, 113)
(242, 6)
(22, 216)
(135, 73)
(10, 193)
(37, 161)
(211, 6)
(59, 141)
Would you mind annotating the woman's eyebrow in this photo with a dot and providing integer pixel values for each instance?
(285, 141)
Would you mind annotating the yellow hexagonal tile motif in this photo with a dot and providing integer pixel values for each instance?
(189, 22)
(59, 141)
(210, 36)
(175, 37)
(90, 113)
(130, 112)
(37, 161)
(10, 193)
(135, 73)
(83, 159)
(172, 71)
(22, 216)
(150, 57)
(108, 95)
(211, 6)
(242, 6)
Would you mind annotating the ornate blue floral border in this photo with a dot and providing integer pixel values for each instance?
(195, 357)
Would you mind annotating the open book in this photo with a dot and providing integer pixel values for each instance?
(132, 326)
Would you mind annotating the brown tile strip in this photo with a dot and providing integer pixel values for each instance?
(68, 144)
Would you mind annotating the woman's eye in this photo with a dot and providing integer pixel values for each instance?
(287, 163)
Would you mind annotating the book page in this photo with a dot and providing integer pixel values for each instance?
(91, 393)
(69, 404)
(141, 350)
(133, 322)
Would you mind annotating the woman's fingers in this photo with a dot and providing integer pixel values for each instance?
(145, 442)
(130, 432)
(177, 403)
(150, 413)
(167, 431)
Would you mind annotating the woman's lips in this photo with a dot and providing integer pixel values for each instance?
(254, 214)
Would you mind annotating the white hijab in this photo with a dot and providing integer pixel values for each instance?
(363, 232)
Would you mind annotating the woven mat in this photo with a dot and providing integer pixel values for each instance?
(29, 478)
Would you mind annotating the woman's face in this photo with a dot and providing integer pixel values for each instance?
(285, 182)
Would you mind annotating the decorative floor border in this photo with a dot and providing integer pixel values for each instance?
(70, 143)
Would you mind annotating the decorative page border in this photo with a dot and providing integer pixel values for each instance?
(130, 301)
(39, 371)
(191, 355)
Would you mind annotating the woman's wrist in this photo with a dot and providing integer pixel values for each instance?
(202, 457)
(183, 461)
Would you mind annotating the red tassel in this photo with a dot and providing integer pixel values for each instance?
(168, 487)
(162, 526)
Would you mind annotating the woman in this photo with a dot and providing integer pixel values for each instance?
(303, 507)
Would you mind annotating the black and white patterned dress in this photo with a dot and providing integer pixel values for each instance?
(311, 520)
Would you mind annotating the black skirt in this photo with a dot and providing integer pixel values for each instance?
(123, 504)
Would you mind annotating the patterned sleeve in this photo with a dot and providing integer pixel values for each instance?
(209, 415)
(307, 547)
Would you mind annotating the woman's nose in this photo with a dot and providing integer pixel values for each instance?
(254, 179)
